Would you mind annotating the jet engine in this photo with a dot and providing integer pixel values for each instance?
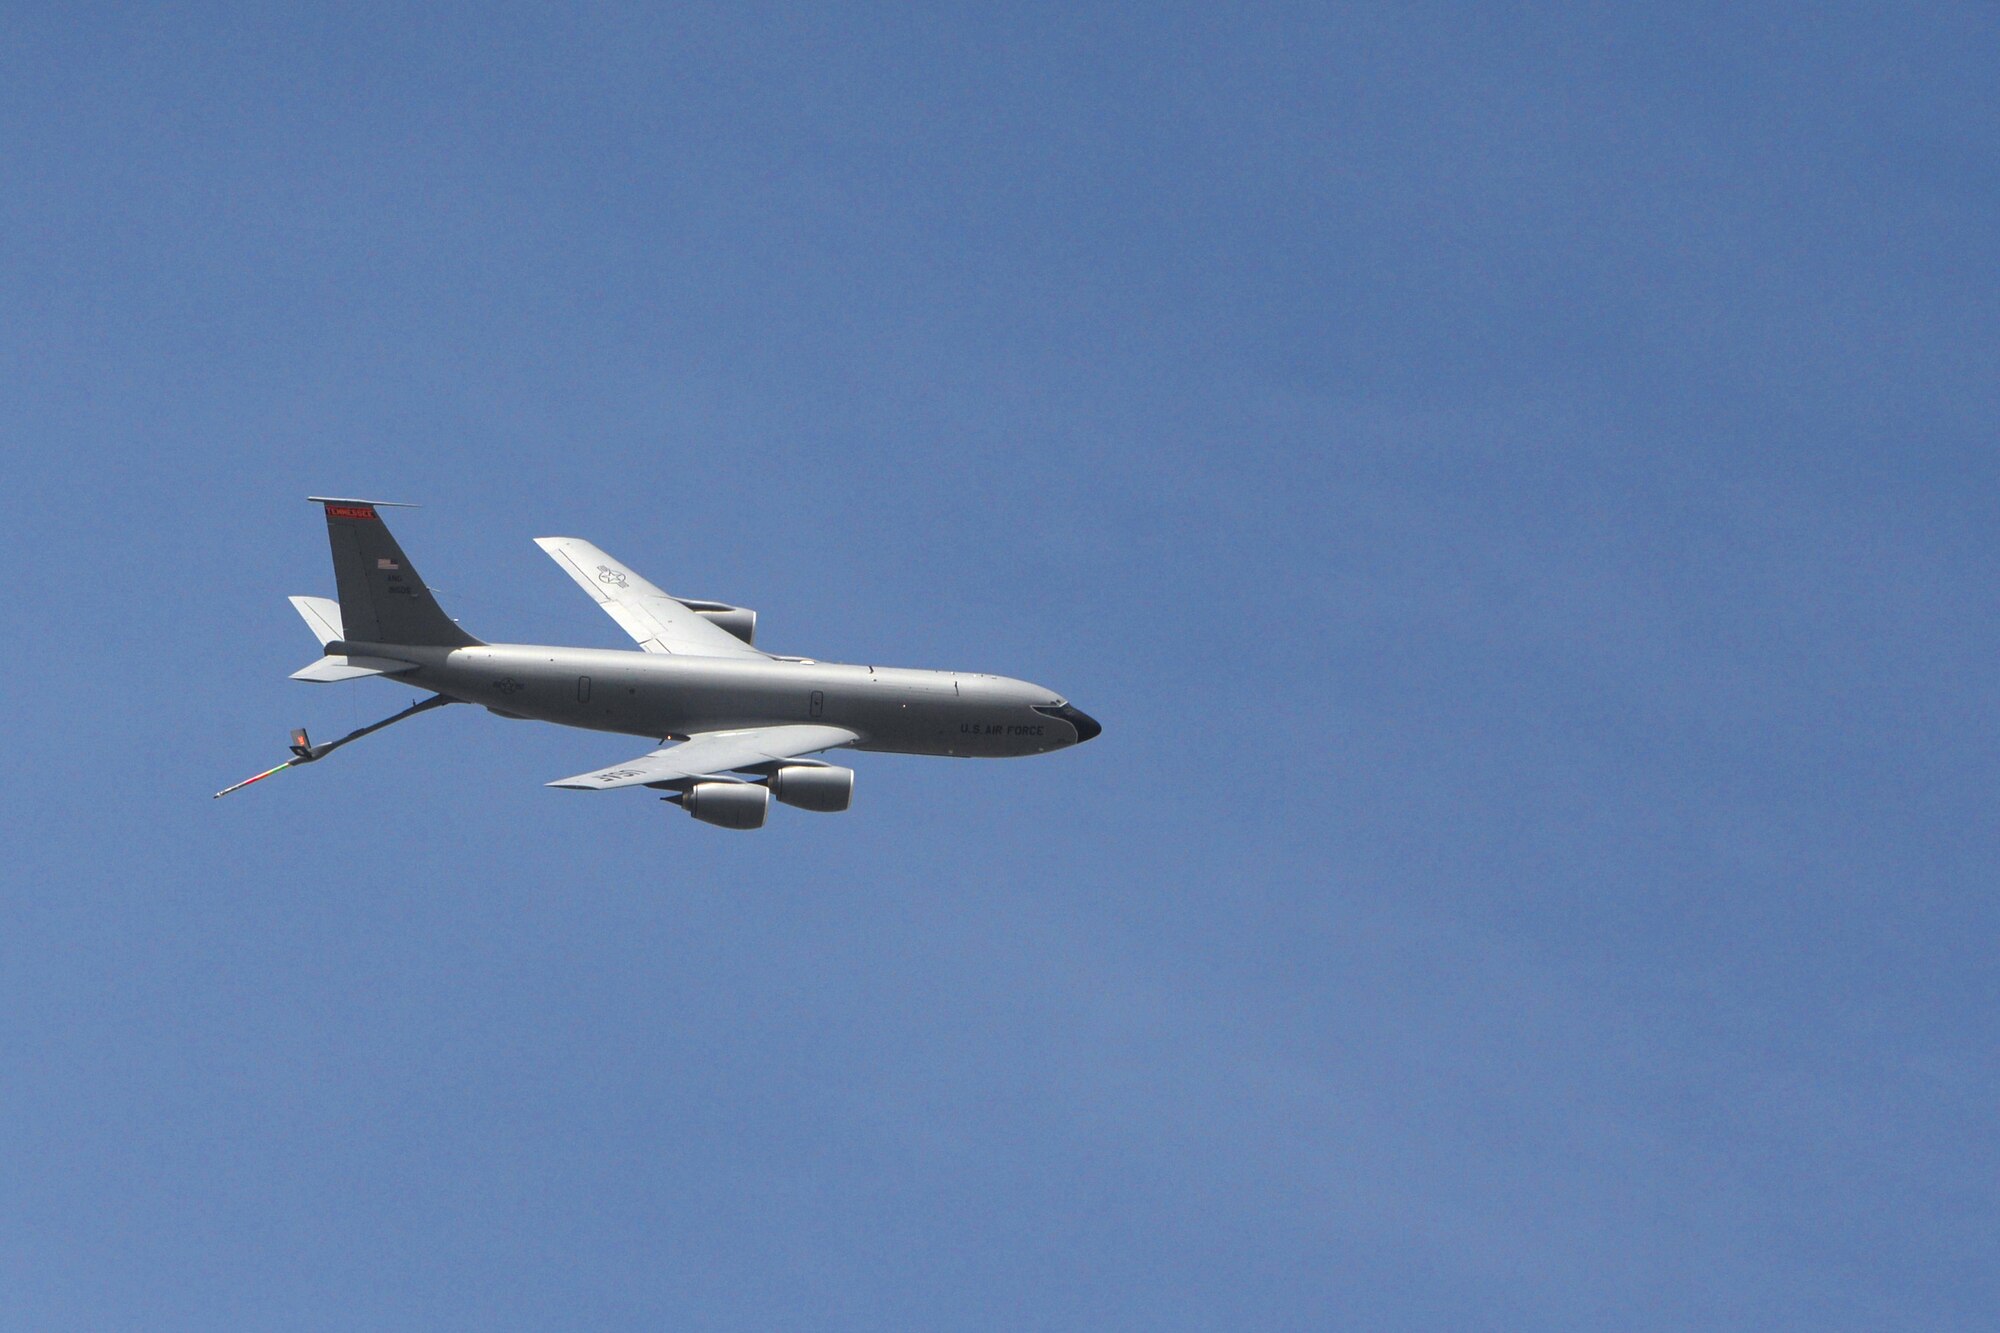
(814, 787)
(727, 804)
(738, 620)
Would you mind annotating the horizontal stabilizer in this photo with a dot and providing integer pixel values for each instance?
(330, 669)
(322, 616)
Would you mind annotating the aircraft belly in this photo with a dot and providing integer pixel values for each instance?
(659, 695)
(631, 693)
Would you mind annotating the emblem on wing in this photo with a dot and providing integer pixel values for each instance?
(615, 577)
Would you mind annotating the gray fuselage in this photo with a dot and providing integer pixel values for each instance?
(660, 695)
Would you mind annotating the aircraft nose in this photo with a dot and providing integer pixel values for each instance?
(1087, 727)
(1081, 722)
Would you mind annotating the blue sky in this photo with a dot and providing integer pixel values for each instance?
(1518, 490)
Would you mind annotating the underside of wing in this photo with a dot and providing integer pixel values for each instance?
(659, 622)
(711, 753)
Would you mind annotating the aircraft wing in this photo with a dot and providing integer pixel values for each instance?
(714, 752)
(661, 623)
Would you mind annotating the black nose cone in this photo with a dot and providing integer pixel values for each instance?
(1081, 722)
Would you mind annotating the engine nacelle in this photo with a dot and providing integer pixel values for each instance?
(728, 804)
(738, 620)
(813, 787)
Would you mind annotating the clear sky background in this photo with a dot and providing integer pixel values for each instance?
(1518, 489)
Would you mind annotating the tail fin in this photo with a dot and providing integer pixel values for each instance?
(382, 600)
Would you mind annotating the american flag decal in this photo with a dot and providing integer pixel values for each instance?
(386, 563)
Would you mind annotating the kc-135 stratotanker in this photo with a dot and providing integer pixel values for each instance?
(744, 724)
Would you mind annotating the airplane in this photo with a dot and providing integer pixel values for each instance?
(738, 725)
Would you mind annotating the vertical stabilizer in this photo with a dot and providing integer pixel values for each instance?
(382, 600)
